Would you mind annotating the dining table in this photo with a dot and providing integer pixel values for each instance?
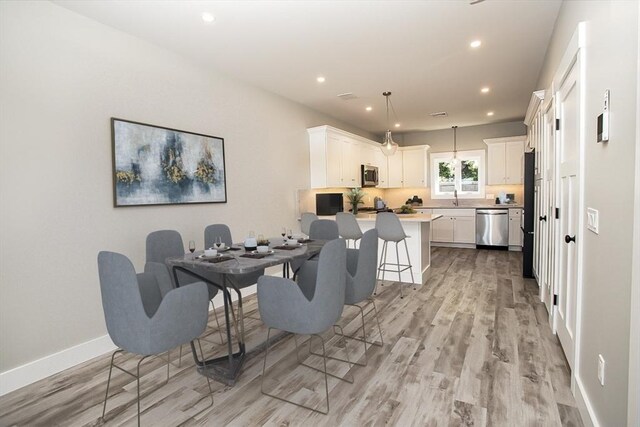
(229, 262)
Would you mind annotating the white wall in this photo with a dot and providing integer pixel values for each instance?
(63, 77)
(467, 138)
(611, 55)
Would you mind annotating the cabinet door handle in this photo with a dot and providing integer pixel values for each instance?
(543, 218)
(568, 239)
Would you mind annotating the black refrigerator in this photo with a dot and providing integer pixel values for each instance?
(528, 212)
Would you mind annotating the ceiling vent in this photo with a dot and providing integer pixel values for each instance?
(347, 96)
(439, 114)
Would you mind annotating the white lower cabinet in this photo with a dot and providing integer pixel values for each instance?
(455, 226)
(515, 232)
(442, 229)
(464, 229)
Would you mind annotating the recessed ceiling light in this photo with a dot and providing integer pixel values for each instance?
(475, 43)
(369, 108)
(397, 125)
(490, 113)
(208, 17)
(485, 90)
(320, 79)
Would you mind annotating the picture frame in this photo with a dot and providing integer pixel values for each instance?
(155, 165)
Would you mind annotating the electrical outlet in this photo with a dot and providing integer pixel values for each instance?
(601, 369)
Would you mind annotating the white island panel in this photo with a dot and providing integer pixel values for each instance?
(418, 228)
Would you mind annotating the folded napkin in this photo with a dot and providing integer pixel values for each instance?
(254, 256)
(286, 247)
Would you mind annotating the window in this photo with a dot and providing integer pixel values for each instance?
(466, 175)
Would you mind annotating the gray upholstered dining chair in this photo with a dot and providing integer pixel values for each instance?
(324, 229)
(163, 244)
(211, 233)
(284, 306)
(305, 221)
(348, 227)
(390, 230)
(320, 229)
(143, 321)
(361, 281)
(360, 284)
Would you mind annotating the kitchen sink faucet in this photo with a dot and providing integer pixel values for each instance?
(455, 194)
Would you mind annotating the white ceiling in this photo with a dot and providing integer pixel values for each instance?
(419, 50)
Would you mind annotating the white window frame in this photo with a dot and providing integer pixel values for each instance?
(479, 155)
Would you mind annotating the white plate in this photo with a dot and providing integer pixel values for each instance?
(269, 252)
(295, 246)
(226, 248)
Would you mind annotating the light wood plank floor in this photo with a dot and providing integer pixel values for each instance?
(471, 347)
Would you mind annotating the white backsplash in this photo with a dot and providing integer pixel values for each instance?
(396, 197)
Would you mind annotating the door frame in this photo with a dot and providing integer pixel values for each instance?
(574, 55)
(548, 108)
(633, 412)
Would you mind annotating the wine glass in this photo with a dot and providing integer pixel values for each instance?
(289, 234)
(219, 243)
(192, 246)
(284, 233)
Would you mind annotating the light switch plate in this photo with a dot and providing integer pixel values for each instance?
(601, 369)
(592, 220)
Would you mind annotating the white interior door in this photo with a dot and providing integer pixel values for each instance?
(568, 105)
(547, 216)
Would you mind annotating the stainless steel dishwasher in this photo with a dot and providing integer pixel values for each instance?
(492, 227)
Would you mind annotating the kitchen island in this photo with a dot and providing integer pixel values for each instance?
(418, 229)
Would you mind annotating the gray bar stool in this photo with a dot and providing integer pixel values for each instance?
(390, 230)
(305, 221)
(348, 227)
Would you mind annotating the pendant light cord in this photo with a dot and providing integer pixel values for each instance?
(387, 95)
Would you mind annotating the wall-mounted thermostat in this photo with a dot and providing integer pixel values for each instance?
(603, 120)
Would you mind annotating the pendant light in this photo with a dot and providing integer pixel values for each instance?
(455, 148)
(388, 146)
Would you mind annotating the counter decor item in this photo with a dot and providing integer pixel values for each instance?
(355, 197)
(415, 201)
(154, 165)
(406, 209)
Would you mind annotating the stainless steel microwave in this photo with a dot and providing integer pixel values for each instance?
(369, 175)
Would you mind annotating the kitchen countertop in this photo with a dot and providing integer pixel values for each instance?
(475, 206)
(402, 217)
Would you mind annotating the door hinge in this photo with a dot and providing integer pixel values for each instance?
(557, 124)
(555, 299)
(557, 213)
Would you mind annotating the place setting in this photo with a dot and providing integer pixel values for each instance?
(256, 248)
(291, 241)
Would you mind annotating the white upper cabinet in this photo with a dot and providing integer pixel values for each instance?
(514, 162)
(336, 157)
(414, 167)
(351, 161)
(394, 164)
(505, 160)
(408, 167)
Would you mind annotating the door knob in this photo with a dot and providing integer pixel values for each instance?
(543, 218)
(569, 239)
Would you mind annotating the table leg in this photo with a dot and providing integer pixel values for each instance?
(224, 369)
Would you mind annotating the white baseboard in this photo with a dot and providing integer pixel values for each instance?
(37, 370)
(584, 406)
(454, 245)
(46, 366)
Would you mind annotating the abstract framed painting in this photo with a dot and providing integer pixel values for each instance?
(154, 165)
